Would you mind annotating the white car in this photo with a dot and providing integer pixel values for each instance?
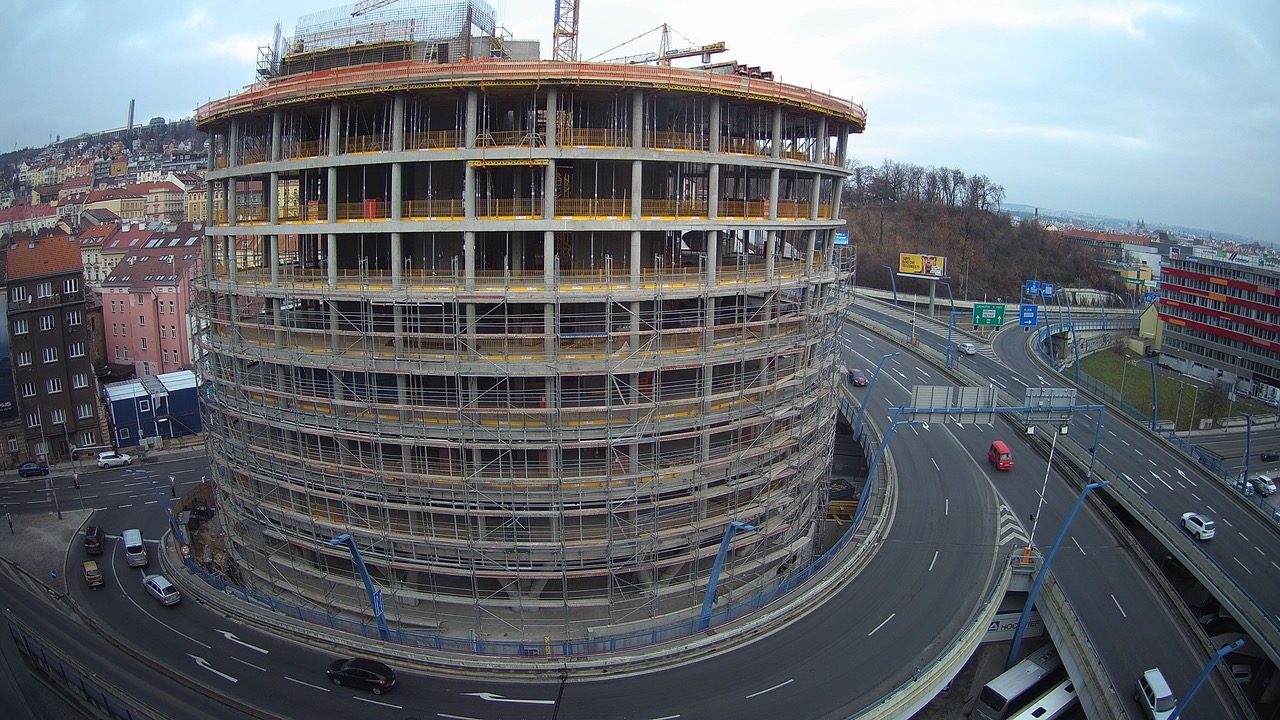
(1198, 525)
(1264, 485)
(111, 458)
(967, 348)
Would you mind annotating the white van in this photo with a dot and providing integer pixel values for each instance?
(135, 553)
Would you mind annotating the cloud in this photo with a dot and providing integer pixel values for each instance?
(239, 48)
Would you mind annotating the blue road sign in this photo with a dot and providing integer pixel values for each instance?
(1029, 315)
(1148, 297)
(1046, 290)
(1033, 287)
(842, 237)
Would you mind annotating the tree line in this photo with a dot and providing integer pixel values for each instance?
(903, 208)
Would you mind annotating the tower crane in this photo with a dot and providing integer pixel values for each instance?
(369, 5)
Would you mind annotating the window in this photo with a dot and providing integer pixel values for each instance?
(33, 420)
(58, 416)
(74, 318)
(28, 389)
(54, 385)
(144, 406)
(20, 327)
(80, 380)
(70, 285)
(83, 412)
(142, 321)
(46, 323)
(44, 290)
(13, 443)
(113, 306)
(171, 307)
(144, 343)
(87, 439)
(75, 349)
(17, 294)
(50, 354)
(24, 358)
(124, 433)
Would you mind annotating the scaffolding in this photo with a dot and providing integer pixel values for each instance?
(533, 368)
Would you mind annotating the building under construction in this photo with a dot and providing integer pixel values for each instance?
(532, 333)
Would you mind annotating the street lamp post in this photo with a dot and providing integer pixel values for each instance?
(713, 582)
(951, 323)
(1155, 398)
(857, 425)
(893, 283)
(1248, 442)
(1124, 371)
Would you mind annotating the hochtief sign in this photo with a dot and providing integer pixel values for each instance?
(933, 267)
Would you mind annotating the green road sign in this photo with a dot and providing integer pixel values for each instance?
(989, 314)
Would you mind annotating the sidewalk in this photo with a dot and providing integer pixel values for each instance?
(34, 549)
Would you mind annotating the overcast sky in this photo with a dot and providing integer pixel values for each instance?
(1166, 111)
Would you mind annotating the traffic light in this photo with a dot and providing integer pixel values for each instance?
(75, 478)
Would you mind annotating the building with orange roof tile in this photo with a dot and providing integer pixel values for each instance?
(92, 238)
(27, 218)
(52, 333)
(130, 238)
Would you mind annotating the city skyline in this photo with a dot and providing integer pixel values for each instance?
(1158, 111)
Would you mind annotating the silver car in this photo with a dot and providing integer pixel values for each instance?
(161, 589)
(111, 458)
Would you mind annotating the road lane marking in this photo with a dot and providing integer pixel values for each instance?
(1126, 442)
(935, 464)
(1117, 602)
(882, 624)
(1246, 568)
(946, 506)
(1255, 547)
(775, 687)
(447, 716)
(234, 639)
(1078, 547)
(934, 560)
(246, 662)
(376, 702)
(310, 685)
(493, 697)
(205, 664)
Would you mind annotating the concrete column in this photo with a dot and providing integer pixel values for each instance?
(397, 192)
(229, 255)
(552, 114)
(770, 250)
(469, 259)
(397, 123)
(469, 192)
(331, 196)
(774, 184)
(277, 131)
(549, 190)
(815, 196)
(273, 258)
(331, 262)
(636, 269)
(231, 201)
(810, 251)
(713, 191)
(549, 258)
(713, 256)
(397, 262)
(273, 198)
(473, 105)
(714, 121)
(637, 119)
(637, 194)
(233, 146)
(335, 122)
(775, 148)
(821, 145)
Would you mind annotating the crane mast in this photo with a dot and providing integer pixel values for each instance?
(564, 40)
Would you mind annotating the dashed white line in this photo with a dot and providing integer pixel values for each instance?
(375, 702)
(946, 506)
(1255, 547)
(1078, 547)
(935, 559)
(310, 685)
(1246, 568)
(1117, 602)
(775, 687)
(882, 624)
(246, 662)
(935, 464)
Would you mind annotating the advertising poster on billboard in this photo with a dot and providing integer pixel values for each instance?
(931, 266)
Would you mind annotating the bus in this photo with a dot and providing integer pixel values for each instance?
(1013, 688)
(1051, 705)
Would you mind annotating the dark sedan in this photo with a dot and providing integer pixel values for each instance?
(362, 673)
(1270, 455)
(32, 469)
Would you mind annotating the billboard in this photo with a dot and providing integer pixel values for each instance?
(931, 266)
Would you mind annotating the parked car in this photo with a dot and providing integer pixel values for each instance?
(32, 469)
(1264, 485)
(362, 673)
(857, 377)
(111, 458)
(161, 589)
(967, 348)
(1270, 455)
(1198, 525)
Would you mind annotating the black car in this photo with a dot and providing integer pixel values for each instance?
(1267, 456)
(32, 469)
(857, 377)
(362, 673)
